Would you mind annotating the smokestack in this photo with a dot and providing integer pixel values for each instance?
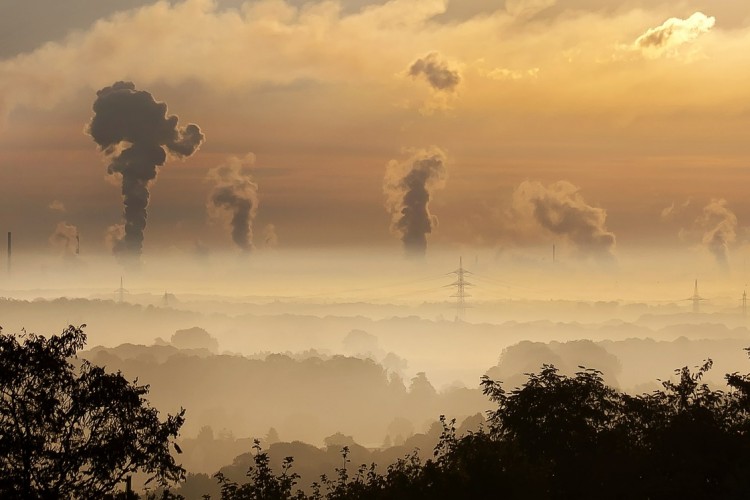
(9, 251)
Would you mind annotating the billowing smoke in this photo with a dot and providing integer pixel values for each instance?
(65, 239)
(560, 209)
(136, 133)
(270, 237)
(673, 33)
(408, 187)
(235, 193)
(436, 71)
(720, 229)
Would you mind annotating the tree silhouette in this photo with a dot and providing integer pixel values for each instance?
(74, 431)
(563, 437)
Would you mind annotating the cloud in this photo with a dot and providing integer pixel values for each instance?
(65, 239)
(719, 225)
(235, 194)
(561, 210)
(525, 9)
(436, 71)
(509, 74)
(673, 33)
(277, 42)
(281, 45)
(409, 186)
(56, 206)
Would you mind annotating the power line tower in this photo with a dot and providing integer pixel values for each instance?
(744, 304)
(696, 299)
(121, 292)
(461, 284)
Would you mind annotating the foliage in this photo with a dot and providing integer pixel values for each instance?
(564, 437)
(263, 484)
(68, 431)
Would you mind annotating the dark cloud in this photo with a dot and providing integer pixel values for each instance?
(560, 209)
(408, 187)
(236, 194)
(436, 72)
(136, 133)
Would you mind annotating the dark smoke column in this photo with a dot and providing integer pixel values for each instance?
(136, 133)
(235, 193)
(408, 187)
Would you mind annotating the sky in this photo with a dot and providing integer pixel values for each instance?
(603, 126)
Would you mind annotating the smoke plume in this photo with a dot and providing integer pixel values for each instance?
(408, 187)
(235, 193)
(560, 209)
(136, 133)
(270, 237)
(720, 229)
(436, 72)
(65, 239)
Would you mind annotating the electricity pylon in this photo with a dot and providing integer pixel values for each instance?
(460, 284)
(696, 299)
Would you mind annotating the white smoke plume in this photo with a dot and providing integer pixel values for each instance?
(65, 239)
(270, 237)
(719, 225)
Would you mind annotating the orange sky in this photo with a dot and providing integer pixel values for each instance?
(634, 106)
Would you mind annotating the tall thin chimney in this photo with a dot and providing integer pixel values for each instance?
(9, 250)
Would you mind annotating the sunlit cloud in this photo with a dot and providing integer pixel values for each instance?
(673, 33)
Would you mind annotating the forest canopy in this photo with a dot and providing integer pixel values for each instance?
(68, 428)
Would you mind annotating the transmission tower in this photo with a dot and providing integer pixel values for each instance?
(121, 292)
(696, 299)
(744, 304)
(460, 284)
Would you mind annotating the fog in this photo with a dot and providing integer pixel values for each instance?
(363, 346)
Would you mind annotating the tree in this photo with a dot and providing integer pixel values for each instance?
(75, 431)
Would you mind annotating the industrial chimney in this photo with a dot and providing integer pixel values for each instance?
(9, 250)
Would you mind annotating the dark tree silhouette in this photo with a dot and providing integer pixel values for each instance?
(564, 437)
(74, 431)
